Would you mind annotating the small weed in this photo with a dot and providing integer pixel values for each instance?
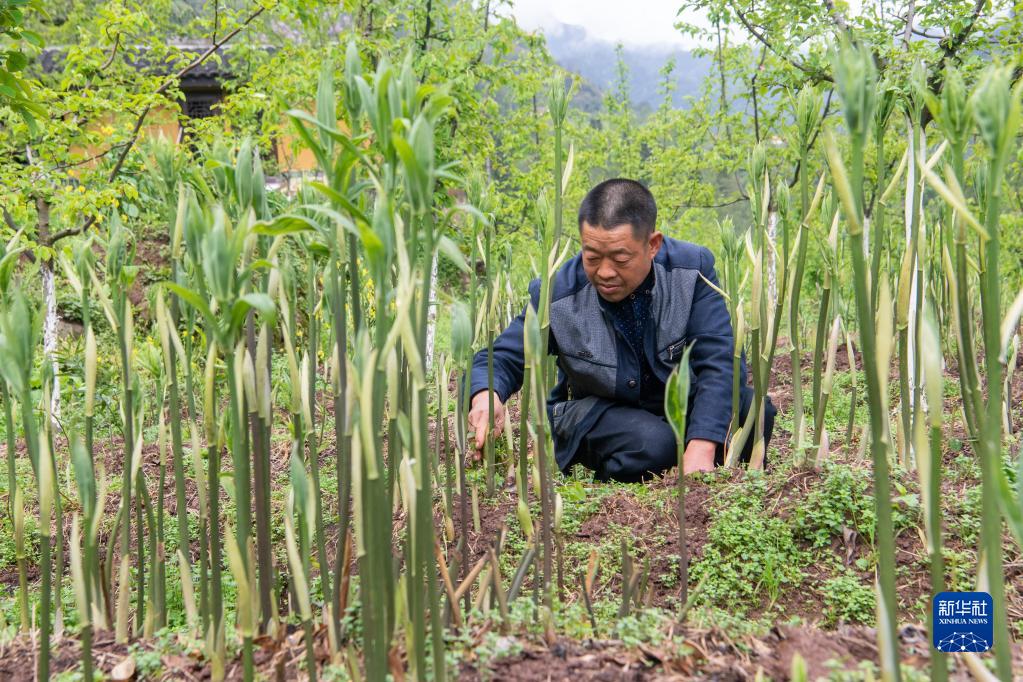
(647, 626)
(960, 569)
(747, 550)
(840, 502)
(965, 518)
(848, 600)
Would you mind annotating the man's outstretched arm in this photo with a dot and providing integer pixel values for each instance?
(509, 368)
(710, 332)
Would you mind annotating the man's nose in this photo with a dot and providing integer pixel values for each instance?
(605, 272)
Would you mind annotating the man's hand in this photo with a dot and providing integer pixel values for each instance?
(699, 456)
(479, 419)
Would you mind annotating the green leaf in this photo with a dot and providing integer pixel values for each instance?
(85, 477)
(32, 38)
(297, 118)
(191, 298)
(227, 483)
(259, 301)
(339, 199)
(676, 397)
(16, 61)
(299, 481)
(531, 336)
(287, 223)
(326, 113)
(374, 245)
(243, 173)
(1012, 506)
(451, 251)
(461, 331)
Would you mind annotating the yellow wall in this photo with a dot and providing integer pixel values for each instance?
(164, 120)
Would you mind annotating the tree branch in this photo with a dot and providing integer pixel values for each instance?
(929, 36)
(724, 204)
(113, 53)
(950, 50)
(951, 45)
(762, 38)
(908, 30)
(71, 231)
(129, 144)
(837, 16)
(96, 157)
(9, 219)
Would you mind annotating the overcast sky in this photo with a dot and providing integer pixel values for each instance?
(632, 22)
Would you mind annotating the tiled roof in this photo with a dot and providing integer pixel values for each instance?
(215, 67)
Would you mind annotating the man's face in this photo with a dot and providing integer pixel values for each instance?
(616, 261)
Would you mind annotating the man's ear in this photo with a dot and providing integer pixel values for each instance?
(656, 240)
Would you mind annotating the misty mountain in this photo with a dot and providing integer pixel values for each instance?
(594, 59)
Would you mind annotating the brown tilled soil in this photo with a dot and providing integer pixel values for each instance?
(709, 654)
(276, 658)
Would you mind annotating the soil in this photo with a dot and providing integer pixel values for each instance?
(276, 658)
(709, 654)
(655, 533)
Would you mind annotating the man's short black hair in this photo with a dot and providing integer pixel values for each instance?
(620, 201)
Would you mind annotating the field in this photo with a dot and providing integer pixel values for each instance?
(235, 422)
(814, 526)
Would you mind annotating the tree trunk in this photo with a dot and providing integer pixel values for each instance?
(50, 297)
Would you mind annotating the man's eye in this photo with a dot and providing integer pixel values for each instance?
(622, 261)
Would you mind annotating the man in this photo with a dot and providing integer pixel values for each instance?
(622, 312)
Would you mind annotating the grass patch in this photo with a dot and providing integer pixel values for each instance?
(749, 553)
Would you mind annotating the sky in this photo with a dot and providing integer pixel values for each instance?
(632, 22)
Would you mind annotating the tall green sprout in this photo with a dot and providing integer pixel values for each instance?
(9, 367)
(996, 110)
(119, 275)
(830, 257)
(227, 271)
(19, 336)
(461, 348)
(300, 508)
(400, 237)
(83, 564)
(765, 319)
(8, 259)
(731, 259)
(533, 349)
(676, 409)
(856, 82)
(807, 119)
(928, 442)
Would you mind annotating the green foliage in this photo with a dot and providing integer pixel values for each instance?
(19, 43)
(847, 599)
(965, 516)
(647, 626)
(840, 502)
(750, 553)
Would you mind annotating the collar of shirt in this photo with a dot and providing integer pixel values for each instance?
(631, 313)
(638, 299)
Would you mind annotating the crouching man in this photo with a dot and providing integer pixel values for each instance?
(622, 312)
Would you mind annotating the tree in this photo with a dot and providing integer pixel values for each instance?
(795, 37)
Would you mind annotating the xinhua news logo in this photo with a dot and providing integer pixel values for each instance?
(963, 621)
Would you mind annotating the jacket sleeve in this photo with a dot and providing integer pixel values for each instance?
(509, 355)
(710, 332)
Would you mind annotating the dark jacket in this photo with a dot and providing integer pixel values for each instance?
(598, 368)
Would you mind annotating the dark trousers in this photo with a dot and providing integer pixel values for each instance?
(629, 444)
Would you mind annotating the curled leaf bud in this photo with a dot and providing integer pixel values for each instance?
(525, 520)
(856, 82)
(90, 372)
